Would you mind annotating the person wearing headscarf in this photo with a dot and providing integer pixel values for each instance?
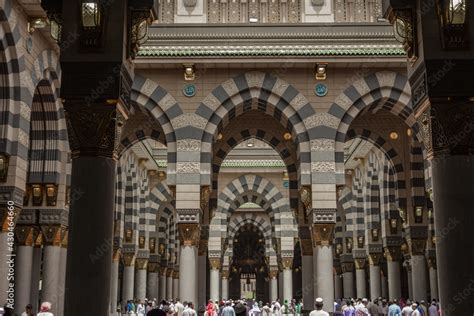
(255, 311)
(45, 309)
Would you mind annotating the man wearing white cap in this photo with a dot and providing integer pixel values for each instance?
(318, 303)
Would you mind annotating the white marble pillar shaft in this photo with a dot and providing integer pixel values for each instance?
(62, 281)
(35, 277)
(338, 286)
(287, 284)
(202, 279)
(169, 287)
(280, 286)
(375, 282)
(325, 275)
(23, 271)
(418, 264)
(225, 288)
(140, 284)
(273, 289)
(384, 285)
(434, 283)
(114, 274)
(360, 283)
(128, 283)
(152, 285)
(394, 282)
(175, 288)
(410, 284)
(214, 286)
(162, 286)
(348, 284)
(307, 279)
(188, 274)
(50, 283)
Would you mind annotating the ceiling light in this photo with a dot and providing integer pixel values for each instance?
(287, 136)
(320, 71)
(393, 135)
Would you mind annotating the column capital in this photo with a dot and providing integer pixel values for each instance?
(322, 234)
(432, 263)
(360, 263)
(225, 274)
(162, 271)
(272, 274)
(152, 267)
(347, 267)
(417, 246)
(52, 235)
(392, 253)
(175, 274)
(25, 235)
(375, 258)
(215, 263)
(287, 263)
(189, 234)
(65, 234)
(8, 217)
(94, 129)
(306, 247)
(169, 272)
(129, 259)
(141, 263)
(116, 252)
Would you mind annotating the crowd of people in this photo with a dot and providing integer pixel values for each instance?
(382, 307)
(45, 310)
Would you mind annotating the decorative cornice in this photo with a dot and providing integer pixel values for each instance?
(322, 234)
(189, 234)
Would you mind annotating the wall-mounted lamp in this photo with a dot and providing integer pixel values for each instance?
(418, 214)
(393, 225)
(375, 234)
(128, 235)
(141, 242)
(37, 193)
(37, 23)
(393, 135)
(360, 241)
(349, 244)
(338, 249)
(189, 72)
(92, 23)
(320, 71)
(152, 244)
(51, 194)
(4, 162)
(287, 136)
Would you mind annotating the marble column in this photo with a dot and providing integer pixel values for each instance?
(169, 283)
(280, 286)
(287, 264)
(114, 275)
(419, 282)
(361, 290)
(322, 237)
(453, 191)
(24, 266)
(348, 284)
(384, 286)
(175, 284)
(91, 217)
(393, 272)
(128, 281)
(35, 274)
(374, 272)
(433, 273)
(214, 276)
(273, 275)
(410, 281)
(51, 262)
(140, 278)
(225, 284)
(188, 262)
(62, 277)
(152, 284)
(338, 286)
(162, 283)
(307, 278)
(202, 278)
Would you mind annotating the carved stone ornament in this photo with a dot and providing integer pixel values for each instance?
(272, 274)
(25, 235)
(129, 259)
(392, 253)
(152, 267)
(175, 274)
(305, 195)
(317, 3)
(375, 258)
(287, 263)
(322, 234)
(215, 263)
(94, 130)
(51, 235)
(189, 3)
(417, 246)
(225, 274)
(360, 263)
(347, 267)
(141, 264)
(189, 234)
(432, 263)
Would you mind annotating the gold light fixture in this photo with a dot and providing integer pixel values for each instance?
(37, 193)
(189, 72)
(360, 241)
(152, 244)
(219, 136)
(338, 249)
(51, 194)
(287, 136)
(141, 242)
(320, 71)
(4, 162)
(375, 234)
(37, 23)
(393, 225)
(91, 15)
(409, 132)
(128, 235)
(349, 244)
(393, 135)
(418, 214)
(26, 197)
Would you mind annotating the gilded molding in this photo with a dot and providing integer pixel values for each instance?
(322, 234)
(189, 234)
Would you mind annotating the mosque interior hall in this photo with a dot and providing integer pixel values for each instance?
(223, 150)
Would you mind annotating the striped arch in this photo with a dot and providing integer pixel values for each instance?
(224, 147)
(256, 189)
(255, 91)
(381, 90)
(256, 220)
(164, 108)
